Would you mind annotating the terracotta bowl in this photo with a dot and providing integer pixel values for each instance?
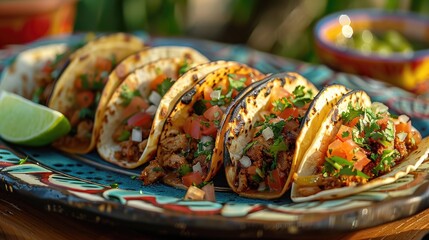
(409, 71)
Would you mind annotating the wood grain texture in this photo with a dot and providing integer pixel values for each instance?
(22, 220)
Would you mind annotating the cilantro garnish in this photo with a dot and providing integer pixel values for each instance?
(125, 135)
(163, 88)
(237, 84)
(204, 149)
(278, 146)
(299, 98)
(127, 95)
(184, 169)
(276, 127)
(345, 134)
(223, 99)
(23, 160)
(387, 160)
(248, 146)
(335, 166)
(184, 68)
(114, 185)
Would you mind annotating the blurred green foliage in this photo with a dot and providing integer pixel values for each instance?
(280, 27)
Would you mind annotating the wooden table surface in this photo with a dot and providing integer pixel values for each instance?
(23, 220)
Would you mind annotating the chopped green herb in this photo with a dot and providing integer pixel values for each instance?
(84, 81)
(164, 86)
(278, 146)
(345, 134)
(387, 160)
(237, 84)
(248, 146)
(114, 185)
(23, 160)
(184, 68)
(125, 135)
(184, 169)
(127, 95)
(134, 177)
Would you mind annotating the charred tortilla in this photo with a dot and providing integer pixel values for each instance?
(359, 146)
(188, 150)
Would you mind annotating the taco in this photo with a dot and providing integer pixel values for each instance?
(188, 150)
(360, 145)
(31, 70)
(34, 72)
(268, 130)
(137, 110)
(78, 90)
(138, 60)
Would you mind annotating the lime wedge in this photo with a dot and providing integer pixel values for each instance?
(27, 123)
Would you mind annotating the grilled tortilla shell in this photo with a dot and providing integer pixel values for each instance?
(314, 157)
(20, 76)
(140, 80)
(64, 96)
(138, 60)
(173, 136)
(241, 125)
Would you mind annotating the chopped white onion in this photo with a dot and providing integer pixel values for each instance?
(151, 110)
(403, 118)
(262, 187)
(267, 133)
(402, 136)
(245, 162)
(207, 139)
(215, 94)
(155, 98)
(379, 107)
(197, 168)
(136, 135)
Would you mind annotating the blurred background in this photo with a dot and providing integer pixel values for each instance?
(280, 27)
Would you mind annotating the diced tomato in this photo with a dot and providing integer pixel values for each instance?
(193, 127)
(192, 178)
(289, 112)
(383, 122)
(140, 119)
(208, 128)
(274, 181)
(350, 148)
(137, 104)
(251, 170)
(334, 149)
(158, 80)
(103, 64)
(207, 92)
(344, 133)
(403, 127)
(85, 98)
(213, 113)
(353, 122)
(361, 160)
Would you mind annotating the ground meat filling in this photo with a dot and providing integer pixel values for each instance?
(130, 150)
(262, 159)
(177, 151)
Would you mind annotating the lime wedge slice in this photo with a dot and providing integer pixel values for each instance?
(27, 123)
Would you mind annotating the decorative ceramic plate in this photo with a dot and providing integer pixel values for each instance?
(80, 185)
